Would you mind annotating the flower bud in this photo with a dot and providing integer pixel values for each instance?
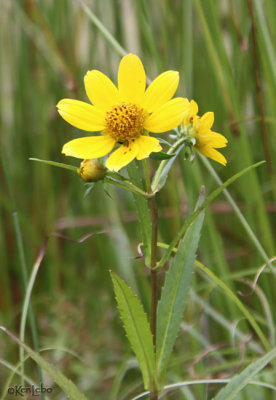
(91, 171)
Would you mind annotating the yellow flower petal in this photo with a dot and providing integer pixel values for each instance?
(193, 107)
(100, 90)
(213, 139)
(122, 156)
(168, 116)
(205, 123)
(190, 114)
(131, 79)
(160, 90)
(89, 147)
(147, 145)
(81, 115)
(213, 154)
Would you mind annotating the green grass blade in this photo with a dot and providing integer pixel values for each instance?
(29, 288)
(24, 271)
(220, 71)
(237, 383)
(106, 34)
(267, 43)
(204, 382)
(242, 219)
(15, 371)
(233, 297)
(137, 328)
(174, 293)
(237, 301)
(64, 383)
(208, 200)
(27, 307)
(207, 11)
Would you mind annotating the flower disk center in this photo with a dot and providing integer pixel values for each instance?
(124, 122)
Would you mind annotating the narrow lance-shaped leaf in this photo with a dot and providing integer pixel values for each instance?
(137, 329)
(56, 164)
(174, 293)
(64, 383)
(230, 391)
(161, 156)
(162, 172)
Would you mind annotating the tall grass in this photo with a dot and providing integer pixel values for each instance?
(46, 48)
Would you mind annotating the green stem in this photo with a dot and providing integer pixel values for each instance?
(154, 221)
(127, 185)
(153, 260)
(147, 176)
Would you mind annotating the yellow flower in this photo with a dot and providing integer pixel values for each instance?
(199, 128)
(123, 115)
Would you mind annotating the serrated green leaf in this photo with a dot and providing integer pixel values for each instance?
(137, 329)
(230, 391)
(161, 156)
(64, 383)
(174, 293)
(142, 210)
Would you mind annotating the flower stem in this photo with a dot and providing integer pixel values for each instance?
(154, 238)
(153, 260)
(127, 185)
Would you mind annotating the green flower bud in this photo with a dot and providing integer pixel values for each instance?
(91, 171)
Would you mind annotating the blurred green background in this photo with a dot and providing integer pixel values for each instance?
(225, 53)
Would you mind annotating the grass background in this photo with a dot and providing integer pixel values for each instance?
(46, 48)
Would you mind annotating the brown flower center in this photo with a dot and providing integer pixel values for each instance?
(124, 122)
